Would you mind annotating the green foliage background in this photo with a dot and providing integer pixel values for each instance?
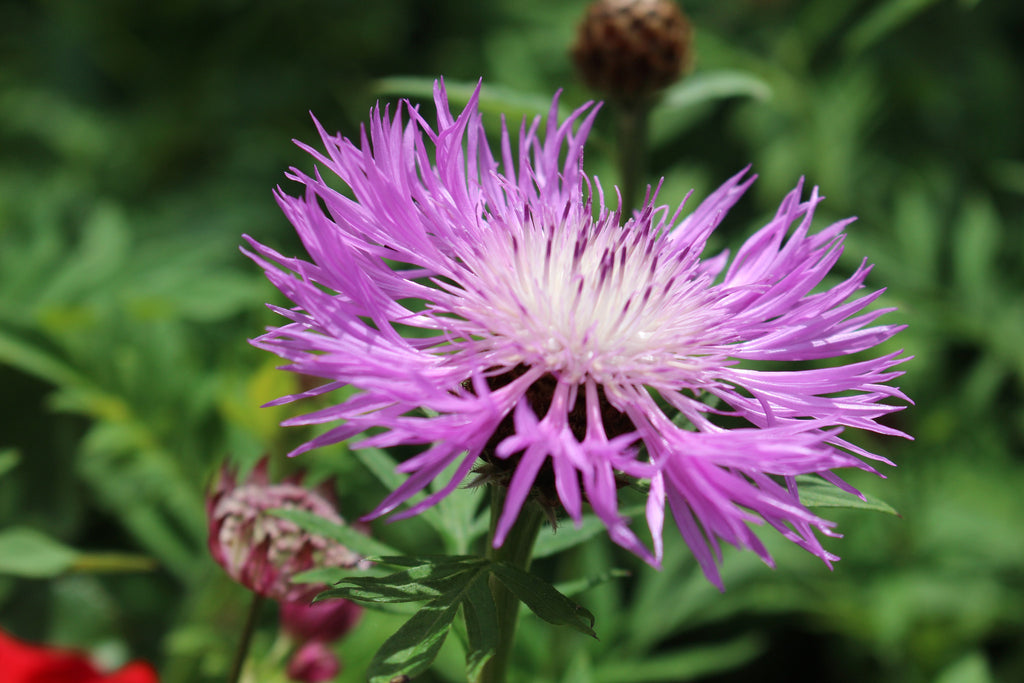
(138, 141)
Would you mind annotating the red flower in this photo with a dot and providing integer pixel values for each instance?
(24, 663)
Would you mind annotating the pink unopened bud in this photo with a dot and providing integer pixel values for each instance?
(326, 621)
(313, 663)
(261, 551)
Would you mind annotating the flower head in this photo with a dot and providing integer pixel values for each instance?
(261, 551)
(565, 349)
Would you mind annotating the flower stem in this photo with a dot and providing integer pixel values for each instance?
(517, 550)
(631, 122)
(243, 644)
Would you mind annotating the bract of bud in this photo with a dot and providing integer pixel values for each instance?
(313, 663)
(262, 551)
(327, 620)
(630, 49)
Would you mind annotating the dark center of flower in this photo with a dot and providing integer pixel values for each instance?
(499, 471)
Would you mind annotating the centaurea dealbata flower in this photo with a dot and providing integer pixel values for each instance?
(564, 348)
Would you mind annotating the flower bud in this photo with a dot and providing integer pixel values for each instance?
(313, 663)
(261, 551)
(630, 49)
(326, 621)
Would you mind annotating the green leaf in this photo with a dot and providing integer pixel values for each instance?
(342, 533)
(978, 240)
(417, 560)
(580, 669)
(882, 20)
(458, 511)
(413, 648)
(332, 575)
(543, 599)
(382, 466)
(34, 361)
(578, 586)
(8, 460)
(971, 668)
(568, 536)
(686, 102)
(815, 492)
(686, 665)
(481, 625)
(422, 582)
(709, 86)
(31, 554)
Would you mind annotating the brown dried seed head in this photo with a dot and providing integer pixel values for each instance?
(632, 48)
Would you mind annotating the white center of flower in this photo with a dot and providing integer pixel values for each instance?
(584, 299)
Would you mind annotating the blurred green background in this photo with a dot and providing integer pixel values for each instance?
(138, 141)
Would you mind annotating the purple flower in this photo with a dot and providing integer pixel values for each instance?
(492, 309)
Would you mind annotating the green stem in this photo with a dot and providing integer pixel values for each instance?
(517, 550)
(632, 144)
(243, 643)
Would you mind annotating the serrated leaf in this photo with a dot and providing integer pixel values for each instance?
(342, 533)
(421, 582)
(332, 575)
(417, 560)
(413, 648)
(365, 590)
(815, 492)
(543, 599)
(31, 554)
(481, 625)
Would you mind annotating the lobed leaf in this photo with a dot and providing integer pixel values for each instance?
(481, 625)
(424, 581)
(413, 648)
(543, 599)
